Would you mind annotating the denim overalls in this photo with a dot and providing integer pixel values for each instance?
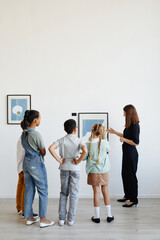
(35, 176)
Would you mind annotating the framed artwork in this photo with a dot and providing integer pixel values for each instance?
(16, 107)
(87, 120)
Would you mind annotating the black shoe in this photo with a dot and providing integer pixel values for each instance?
(96, 220)
(122, 200)
(130, 205)
(110, 219)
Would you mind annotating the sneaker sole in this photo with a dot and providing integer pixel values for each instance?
(46, 225)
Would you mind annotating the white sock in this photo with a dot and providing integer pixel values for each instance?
(108, 207)
(96, 212)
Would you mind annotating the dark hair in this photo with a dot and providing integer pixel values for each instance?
(69, 125)
(22, 124)
(29, 116)
(131, 115)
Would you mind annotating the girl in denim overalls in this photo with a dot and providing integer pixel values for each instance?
(34, 169)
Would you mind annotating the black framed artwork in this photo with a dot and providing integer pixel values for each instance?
(87, 120)
(16, 107)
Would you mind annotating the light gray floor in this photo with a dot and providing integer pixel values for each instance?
(137, 223)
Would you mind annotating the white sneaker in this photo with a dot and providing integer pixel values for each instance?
(61, 222)
(43, 225)
(32, 222)
(70, 223)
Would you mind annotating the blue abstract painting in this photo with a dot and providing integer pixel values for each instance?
(18, 108)
(88, 123)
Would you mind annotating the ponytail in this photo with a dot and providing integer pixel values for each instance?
(90, 147)
(99, 146)
(26, 124)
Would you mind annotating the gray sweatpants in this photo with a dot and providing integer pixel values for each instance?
(69, 187)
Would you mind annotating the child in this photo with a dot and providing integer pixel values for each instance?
(21, 184)
(69, 147)
(34, 169)
(97, 167)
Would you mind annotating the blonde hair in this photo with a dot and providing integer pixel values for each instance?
(95, 130)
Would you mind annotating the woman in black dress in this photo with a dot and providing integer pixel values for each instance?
(130, 139)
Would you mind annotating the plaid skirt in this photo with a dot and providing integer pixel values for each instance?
(97, 178)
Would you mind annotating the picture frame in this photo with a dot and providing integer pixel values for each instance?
(16, 106)
(87, 120)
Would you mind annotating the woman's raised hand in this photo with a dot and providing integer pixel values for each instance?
(111, 130)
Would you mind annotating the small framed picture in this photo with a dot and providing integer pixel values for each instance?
(16, 107)
(87, 120)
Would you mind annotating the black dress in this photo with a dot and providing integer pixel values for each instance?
(129, 163)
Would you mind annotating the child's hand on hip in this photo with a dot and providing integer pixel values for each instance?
(63, 160)
(76, 161)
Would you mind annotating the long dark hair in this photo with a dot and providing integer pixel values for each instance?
(131, 115)
(29, 116)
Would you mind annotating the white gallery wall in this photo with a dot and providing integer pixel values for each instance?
(82, 56)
